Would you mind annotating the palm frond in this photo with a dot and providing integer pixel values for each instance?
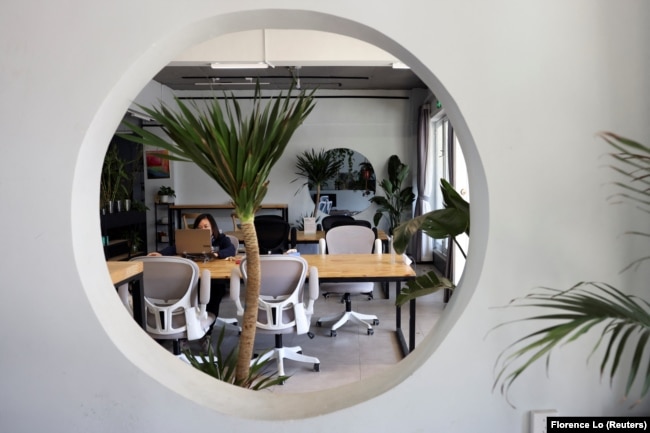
(422, 285)
(625, 320)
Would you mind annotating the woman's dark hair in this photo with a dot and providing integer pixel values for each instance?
(213, 223)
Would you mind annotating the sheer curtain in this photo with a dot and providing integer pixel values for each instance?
(423, 244)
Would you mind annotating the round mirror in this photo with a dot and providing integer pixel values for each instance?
(350, 191)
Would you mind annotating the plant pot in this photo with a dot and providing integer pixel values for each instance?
(164, 198)
(309, 225)
(111, 206)
(127, 205)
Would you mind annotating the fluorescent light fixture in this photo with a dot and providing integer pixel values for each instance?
(228, 65)
(139, 114)
(400, 65)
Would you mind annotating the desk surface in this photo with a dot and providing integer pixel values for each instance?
(121, 271)
(335, 267)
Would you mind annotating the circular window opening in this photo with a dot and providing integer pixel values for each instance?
(226, 398)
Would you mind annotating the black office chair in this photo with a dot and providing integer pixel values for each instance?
(272, 234)
(328, 221)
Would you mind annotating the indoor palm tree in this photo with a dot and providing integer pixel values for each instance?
(238, 152)
(624, 318)
(318, 168)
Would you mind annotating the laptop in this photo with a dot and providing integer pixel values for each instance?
(193, 241)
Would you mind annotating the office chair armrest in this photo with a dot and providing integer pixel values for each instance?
(235, 287)
(313, 290)
(204, 292)
(378, 246)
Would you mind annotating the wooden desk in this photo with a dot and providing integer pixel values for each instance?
(130, 273)
(337, 268)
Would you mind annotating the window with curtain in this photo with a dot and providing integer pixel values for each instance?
(443, 159)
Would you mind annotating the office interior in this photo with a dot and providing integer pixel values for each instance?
(525, 86)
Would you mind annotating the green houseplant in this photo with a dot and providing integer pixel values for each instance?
(114, 179)
(579, 310)
(395, 199)
(317, 168)
(166, 194)
(450, 222)
(238, 152)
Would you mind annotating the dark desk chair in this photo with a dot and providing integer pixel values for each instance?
(272, 234)
(328, 221)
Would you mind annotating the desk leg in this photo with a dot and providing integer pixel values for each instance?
(411, 325)
(398, 323)
(138, 302)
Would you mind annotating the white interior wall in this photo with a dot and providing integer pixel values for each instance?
(527, 84)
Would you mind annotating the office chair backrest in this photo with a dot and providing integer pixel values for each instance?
(168, 277)
(174, 303)
(235, 241)
(350, 239)
(353, 222)
(281, 303)
(330, 220)
(272, 234)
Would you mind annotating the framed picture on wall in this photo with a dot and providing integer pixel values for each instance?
(157, 164)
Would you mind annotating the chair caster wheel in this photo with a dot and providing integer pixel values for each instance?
(326, 295)
(310, 335)
(371, 331)
(319, 323)
(375, 322)
(316, 367)
(332, 333)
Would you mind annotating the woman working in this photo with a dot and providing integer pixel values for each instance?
(222, 247)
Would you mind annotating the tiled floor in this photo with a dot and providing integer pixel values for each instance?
(353, 354)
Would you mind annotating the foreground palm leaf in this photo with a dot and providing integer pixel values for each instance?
(451, 221)
(223, 367)
(238, 152)
(625, 319)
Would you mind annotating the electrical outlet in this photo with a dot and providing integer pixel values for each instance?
(538, 420)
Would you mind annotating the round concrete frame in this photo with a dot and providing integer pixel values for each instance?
(147, 355)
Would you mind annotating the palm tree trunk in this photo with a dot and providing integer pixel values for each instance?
(253, 282)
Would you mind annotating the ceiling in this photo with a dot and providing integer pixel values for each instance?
(280, 77)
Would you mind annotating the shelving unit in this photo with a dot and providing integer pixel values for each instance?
(120, 227)
(163, 225)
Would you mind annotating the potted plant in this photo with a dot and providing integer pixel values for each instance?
(395, 199)
(166, 194)
(317, 168)
(238, 152)
(113, 179)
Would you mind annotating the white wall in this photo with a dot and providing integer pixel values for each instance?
(526, 83)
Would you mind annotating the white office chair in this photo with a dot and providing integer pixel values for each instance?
(349, 239)
(283, 307)
(175, 305)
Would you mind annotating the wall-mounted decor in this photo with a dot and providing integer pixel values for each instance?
(157, 165)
